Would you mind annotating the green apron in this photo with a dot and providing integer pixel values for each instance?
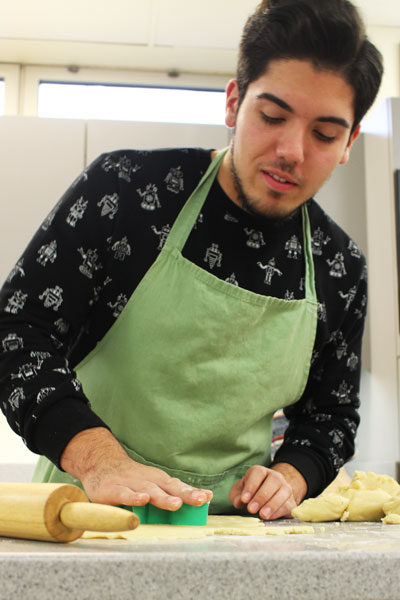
(189, 376)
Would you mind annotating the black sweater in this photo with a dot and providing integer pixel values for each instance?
(88, 256)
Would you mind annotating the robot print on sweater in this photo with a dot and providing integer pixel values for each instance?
(337, 268)
(174, 180)
(354, 250)
(16, 302)
(123, 166)
(149, 196)
(121, 249)
(293, 247)
(162, 234)
(213, 256)
(119, 305)
(318, 241)
(90, 262)
(270, 270)
(47, 252)
(52, 297)
(349, 297)
(12, 342)
(343, 393)
(232, 280)
(16, 270)
(109, 205)
(77, 211)
(255, 238)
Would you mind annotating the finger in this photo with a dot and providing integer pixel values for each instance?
(278, 505)
(188, 494)
(161, 498)
(116, 495)
(235, 493)
(254, 479)
(267, 496)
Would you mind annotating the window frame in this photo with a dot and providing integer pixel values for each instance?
(10, 74)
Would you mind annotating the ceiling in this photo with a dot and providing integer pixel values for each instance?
(144, 26)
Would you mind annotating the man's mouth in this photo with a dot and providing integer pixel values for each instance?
(278, 182)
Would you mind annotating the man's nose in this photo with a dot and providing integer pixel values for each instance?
(290, 146)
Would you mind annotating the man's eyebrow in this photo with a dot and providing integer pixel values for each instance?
(337, 120)
(276, 100)
(286, 106)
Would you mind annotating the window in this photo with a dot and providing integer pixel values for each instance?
(131, 103)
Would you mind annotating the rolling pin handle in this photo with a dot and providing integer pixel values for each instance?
(97, 517)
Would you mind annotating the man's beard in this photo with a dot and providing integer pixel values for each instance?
(250, 205)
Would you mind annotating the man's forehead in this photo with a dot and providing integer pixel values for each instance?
(290, 80)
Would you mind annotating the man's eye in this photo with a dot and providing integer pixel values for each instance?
(271, 120)
(324, 138)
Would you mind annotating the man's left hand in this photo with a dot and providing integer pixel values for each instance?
(273, 493)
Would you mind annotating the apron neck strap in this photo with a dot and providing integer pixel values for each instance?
(310, 292)
(186, 219)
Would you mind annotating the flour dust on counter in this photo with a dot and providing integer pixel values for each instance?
(216, 525)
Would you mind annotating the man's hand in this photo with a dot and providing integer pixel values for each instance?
(273, 493)
(110, 476)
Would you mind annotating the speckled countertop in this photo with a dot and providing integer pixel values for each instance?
(346, 561)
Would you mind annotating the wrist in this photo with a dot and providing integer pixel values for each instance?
(294, 478)
(88, 449)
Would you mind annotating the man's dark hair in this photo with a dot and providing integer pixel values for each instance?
(328, 33)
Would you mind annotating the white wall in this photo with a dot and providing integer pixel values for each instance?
(387, 39)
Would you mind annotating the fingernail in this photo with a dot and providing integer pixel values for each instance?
(175, 501)
(265, 513)
(246, 497)
(199, 497)
(253, 507)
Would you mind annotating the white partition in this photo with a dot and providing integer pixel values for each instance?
(104, 136)
(39, 158)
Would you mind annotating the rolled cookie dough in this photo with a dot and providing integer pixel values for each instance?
(216, 525)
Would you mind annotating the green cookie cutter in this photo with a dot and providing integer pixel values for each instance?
(185, 515)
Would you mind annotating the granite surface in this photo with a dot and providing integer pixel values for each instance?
(346, 561)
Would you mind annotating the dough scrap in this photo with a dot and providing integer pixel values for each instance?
(216, 525)
(392, 506)
(363, 499)
(391, 519)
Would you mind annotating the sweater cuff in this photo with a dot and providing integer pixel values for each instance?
(308, 464)
(58, 425)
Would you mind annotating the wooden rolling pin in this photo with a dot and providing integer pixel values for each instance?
(56, 512)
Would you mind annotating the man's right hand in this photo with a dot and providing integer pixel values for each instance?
(110, 476)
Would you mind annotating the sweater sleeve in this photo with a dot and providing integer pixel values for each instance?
(320, 436)
(45, 306)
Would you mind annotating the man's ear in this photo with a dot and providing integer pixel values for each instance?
(346, 153)
(232, 97)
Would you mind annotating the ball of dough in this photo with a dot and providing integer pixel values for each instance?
(323, 508)
(365, 505)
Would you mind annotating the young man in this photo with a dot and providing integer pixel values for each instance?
(186, 339)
